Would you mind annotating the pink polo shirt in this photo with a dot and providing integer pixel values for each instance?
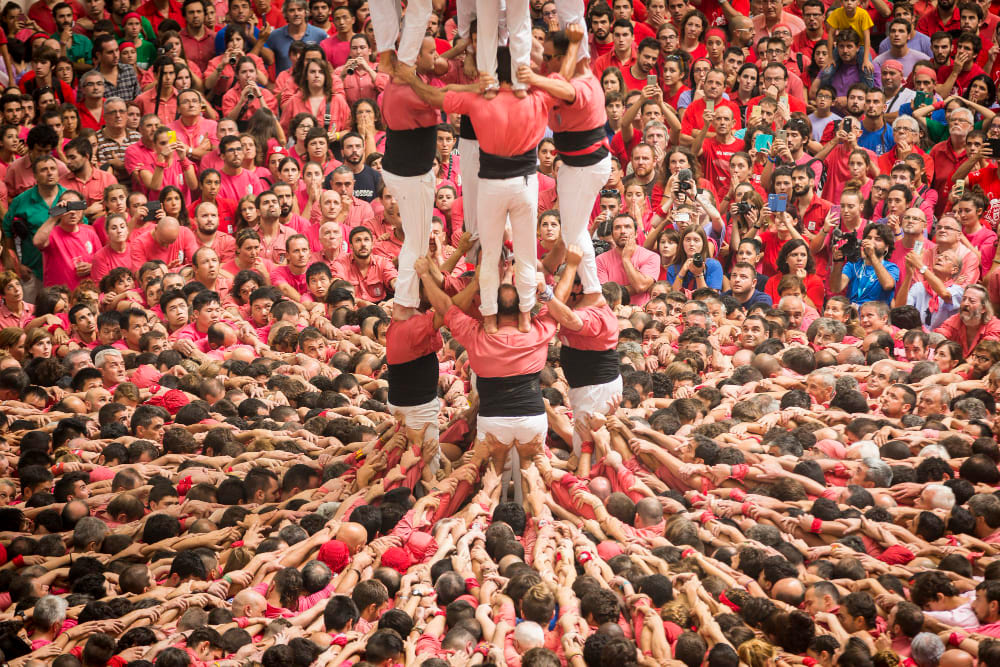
(189, 332)
(413, 338)
(64, 249)
(611, 269)
(587, 110)
(93, 189)
(20, 177)
(505, 125)
(203, 128)
(273, 249)
(506, 353)
(106, 259)
(374, 284)
(145, 248)
(9, 319)
(282, 275)
(239, 186)
(403, 110)
(223, 244)
(599, 332)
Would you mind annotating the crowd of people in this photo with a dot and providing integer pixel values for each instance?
(442, 333)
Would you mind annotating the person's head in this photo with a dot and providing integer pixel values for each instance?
(975, 308)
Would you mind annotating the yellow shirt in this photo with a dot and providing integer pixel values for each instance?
(861, 22)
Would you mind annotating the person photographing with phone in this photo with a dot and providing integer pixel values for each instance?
(66, 246)
(246, 97)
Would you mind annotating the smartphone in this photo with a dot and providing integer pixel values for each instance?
(778, 203)
(650, 79)
(994, 148)
(682, 217)
(782, 135)
(921, 100)
(76, 206)
(835, 209)
(172, 136)
(918, 247)
(151, 208)
(847, 125)
(762, 142)
(710, 105)
(960, 187)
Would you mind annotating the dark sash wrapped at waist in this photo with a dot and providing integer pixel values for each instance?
(582, 148)
(410, 152)
(584, 368)
(465, 129)
(415, 382)
(514, 396)
(499, 167)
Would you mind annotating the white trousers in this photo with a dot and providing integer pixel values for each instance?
(516, 197)
(468, 149)
(415, 196)
(578, 188)
(416, 416)
(386, 16)
(488, 30)
(466, 10)
(506, 430)
(570, 12)
(590, 399)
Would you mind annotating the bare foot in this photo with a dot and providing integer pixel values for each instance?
(490, 324)
(524, 322)
(490, 93)
(520, 93)
(387, 61)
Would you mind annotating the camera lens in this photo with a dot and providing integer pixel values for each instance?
(232, 61)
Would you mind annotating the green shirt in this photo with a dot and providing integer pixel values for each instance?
(35, 210)
(82, 49)
(938, 131)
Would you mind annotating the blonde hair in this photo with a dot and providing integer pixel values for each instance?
(756, 653)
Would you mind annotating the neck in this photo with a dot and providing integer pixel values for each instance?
(910, 238)
(196, 32)
(85, 173)
(117, 246)
(189, 121)
(14, 306)
(363, 262)
(872, 123)
(205, 237)
(232, 171)
(47, 191)
(346, 34)
(815, 35)
(623, 55)
(891, 90)
(270, 225)
(333, 252)
(899, 51)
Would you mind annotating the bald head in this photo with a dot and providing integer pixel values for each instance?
(956, 658)
(353, 535)
(648, 512)
(167, 230)
(600, 487)
(790, 591)
(249, 603)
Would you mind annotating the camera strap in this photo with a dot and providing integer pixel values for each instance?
(326, 115)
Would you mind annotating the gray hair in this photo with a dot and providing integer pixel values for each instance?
(92, 74)
(907, 121)
(89, 529)
(879, 473)
(942, 497)
(101, 357)
(972, 407)
(111, 100)
(654, 124)
(926, 649)
(965, 112)
(825, 376)
(827, 325)
(49, 611)
(68, 359)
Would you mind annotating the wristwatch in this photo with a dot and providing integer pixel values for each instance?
(923, 270)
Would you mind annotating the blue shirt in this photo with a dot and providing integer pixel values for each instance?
(713, 275)
(755, 298)
(879, 142)
(220, 39)
(279, 41)
(863, 283)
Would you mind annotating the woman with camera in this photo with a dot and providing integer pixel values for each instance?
(692, 267)
(317, 97)
(246, 97)
(222, 68)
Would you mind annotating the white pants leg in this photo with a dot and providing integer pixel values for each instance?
(415, 195)
(468, 149)
(508, 429)
(570, 12)
(416, 416)
(518, 197)
(523, 211)
(590, 399)
(519, 37)
(578, 188)
(488, 35)
(418, 13)
(466, 10)
(386, 15)
(491, 214)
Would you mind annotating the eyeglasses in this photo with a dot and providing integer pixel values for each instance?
(948, 229)
(610, 193)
